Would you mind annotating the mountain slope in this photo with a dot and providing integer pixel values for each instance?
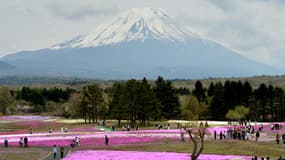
(5, 66)
(138, 43)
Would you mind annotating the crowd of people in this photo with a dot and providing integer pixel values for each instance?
(267, 158)
(75, 142)
(245, 131)
(23, 142)
(129, 128)
(239, 133)
(63, 130)
(262, 158)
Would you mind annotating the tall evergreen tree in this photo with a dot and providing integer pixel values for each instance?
(261, 98)
(247, 92)
(147, 102)
(271, 97)
(131, 95)
(279, 109)
(211, 89)
(94, 98)
(169, 102)
(217, 107)
(199, 91)
(118, 102)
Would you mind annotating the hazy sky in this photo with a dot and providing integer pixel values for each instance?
(255, 28)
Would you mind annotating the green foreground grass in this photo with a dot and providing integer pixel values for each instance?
(16, 153)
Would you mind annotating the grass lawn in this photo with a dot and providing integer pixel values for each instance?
(16, 153)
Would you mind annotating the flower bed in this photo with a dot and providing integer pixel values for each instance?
(63, 139)
(26, 118)
(136, 155)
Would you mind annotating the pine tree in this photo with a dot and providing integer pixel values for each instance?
(169, 102)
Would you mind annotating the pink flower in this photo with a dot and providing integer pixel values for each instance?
(136, 155)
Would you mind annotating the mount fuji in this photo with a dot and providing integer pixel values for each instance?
(142, 42)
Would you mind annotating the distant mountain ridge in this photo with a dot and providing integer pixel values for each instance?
(138, 43)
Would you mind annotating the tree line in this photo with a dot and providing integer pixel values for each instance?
(142, 101)
(265, 103)
(40, 99)
(132, 100)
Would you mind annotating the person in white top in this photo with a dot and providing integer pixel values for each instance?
(77, 140)
(54, 151)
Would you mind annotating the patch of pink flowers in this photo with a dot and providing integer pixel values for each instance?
(137, 155)
(96, 138)
(25, 118)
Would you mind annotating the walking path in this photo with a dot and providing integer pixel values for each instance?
(67, 150)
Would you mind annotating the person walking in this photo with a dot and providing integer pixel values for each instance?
(215, 134)
(257, 135)
(182, 136)
(106, 140)
(61, 152)
(77, 141)
(54, 151)
(49, 130)
(26, 142)
(6, 142)
(277, 138)
(21, 142)
(221, 135)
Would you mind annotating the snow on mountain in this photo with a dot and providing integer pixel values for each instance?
(136, 24)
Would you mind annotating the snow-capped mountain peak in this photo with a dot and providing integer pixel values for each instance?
(135, 24)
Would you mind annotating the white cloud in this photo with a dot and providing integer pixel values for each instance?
(77, 11)
(254, 27)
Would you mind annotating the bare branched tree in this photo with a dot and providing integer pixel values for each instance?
(197, 136)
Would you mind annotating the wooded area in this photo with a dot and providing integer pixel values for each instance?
(141, 100)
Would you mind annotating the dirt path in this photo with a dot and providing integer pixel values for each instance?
(67, 150)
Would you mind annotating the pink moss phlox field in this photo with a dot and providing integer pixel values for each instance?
(25, 118)
(137, 155)
(116, 138)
